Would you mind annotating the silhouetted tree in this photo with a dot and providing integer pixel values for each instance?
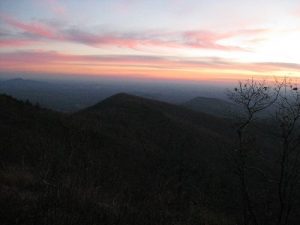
(288, 116)
(253, 97)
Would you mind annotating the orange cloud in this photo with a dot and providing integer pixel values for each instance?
(129, 65)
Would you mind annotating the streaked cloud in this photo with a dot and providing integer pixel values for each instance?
(136, 64)
(34, 28)
(175, 39)
(197, 39)
(4, 43)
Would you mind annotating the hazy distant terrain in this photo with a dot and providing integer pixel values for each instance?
(214, 106)
(68, 95)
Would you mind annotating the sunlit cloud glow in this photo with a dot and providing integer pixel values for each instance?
(119, 39)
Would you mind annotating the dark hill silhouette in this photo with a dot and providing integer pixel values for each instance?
(124, 160)
(135, 106)
(132, 159)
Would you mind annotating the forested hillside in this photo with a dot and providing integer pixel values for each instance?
(125, 160)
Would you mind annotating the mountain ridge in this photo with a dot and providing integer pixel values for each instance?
(214, 106)
(126, 158)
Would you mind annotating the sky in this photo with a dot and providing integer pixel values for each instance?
(151, 39)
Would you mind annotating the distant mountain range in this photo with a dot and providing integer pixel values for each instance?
(214, 106)
(70, 96)
(54, 95)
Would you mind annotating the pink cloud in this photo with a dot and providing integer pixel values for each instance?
(133, 41)
(206, 39)
(202, 39)
(32, 28)
(192, 39)
(4, 43)
(210, 40)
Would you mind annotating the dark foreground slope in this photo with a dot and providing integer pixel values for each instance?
(126, 160)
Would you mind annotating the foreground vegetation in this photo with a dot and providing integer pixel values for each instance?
(130, 160)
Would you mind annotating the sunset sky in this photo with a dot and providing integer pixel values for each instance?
(157, 39)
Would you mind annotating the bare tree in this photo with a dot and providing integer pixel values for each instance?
(253, 97)
(288, 116)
